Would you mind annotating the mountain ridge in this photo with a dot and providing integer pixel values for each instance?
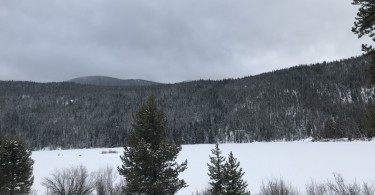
(111, 81)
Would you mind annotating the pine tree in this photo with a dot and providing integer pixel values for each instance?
(16, 167)
(233, 184)
(149, 165)
(365, 25)
(215, 170)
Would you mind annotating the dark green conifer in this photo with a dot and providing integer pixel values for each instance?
(365, 21)
(233, 184)
(16, 168)
(365, 25)
(149, 165)
(215, 170)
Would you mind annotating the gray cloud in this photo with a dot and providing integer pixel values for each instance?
(167, 40)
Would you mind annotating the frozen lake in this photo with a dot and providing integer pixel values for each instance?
(296, 162)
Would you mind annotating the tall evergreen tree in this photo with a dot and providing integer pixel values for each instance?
(16, 168)
(215, 170)
(149, 160)
(233, 184)
(365, 25)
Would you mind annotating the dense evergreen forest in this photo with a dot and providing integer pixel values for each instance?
(326, 100)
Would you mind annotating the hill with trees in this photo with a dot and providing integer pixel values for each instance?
(325, 100)
(110, 81)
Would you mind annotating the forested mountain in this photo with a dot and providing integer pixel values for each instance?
(325, 100)
(110, 81)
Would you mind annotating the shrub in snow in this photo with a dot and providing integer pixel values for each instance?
(277, 187)
(339, 187)
(75, 180)
(78, 181)
(106, 182)
(109, 152)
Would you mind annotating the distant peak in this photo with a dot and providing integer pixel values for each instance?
(110, 81)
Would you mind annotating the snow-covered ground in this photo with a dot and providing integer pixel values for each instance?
(296, 162)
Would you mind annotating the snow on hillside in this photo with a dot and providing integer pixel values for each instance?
(296, 162)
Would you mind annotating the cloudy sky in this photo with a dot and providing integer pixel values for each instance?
(169, 40)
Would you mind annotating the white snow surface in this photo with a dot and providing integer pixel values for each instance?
(298, 163)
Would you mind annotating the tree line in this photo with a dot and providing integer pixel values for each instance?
(325, 100)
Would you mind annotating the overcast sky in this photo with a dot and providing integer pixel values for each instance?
(170, 40)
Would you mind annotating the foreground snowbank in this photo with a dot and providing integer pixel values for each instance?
(296, 162)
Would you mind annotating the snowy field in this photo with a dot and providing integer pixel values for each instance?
(296, 162)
